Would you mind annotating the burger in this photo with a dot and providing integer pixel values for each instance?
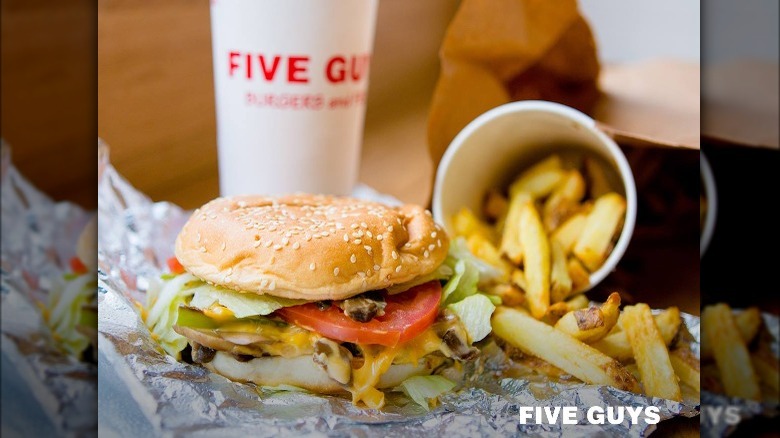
(330, 294)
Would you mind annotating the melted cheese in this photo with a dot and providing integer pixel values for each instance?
(218, 313)
(378, 359)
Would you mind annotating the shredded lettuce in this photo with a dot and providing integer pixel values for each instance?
(241, 304)
(163, 301)
(66, 305)
(474, 313)
(443, 272)
(462, 284)
(421, 389)
(459, 250)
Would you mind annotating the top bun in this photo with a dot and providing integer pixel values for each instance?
(309, 247)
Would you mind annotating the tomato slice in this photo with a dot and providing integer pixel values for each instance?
(77, 266)
(406, 315)
(175, 266)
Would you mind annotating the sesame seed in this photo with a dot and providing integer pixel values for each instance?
(325, 234)
(312, 266)
(336, 271)
(376, 267)
(395, 255)
(353, 226)
(224, 245)
(288, 234)
(390, 228)
(268, 243)
(241, 204)
(398, 268)
(202, 249)
(229, 271)
(407, 245)
(361, 274)
(197, 238)
(346, 237)
(431, 247)
(380, 237)
(257, 243)
(307, 237)
(296, 245)
(353, 258)
(277, 247)
(438, 242)
(368, 233)
(264, 283)
(368, 249)
(357, 241)
(363, 224)
(426, 254)
(433, 234)
(272, 285)
(285, 241)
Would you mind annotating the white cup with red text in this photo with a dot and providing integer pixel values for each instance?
(290, 81)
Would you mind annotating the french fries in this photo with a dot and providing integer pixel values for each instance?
(467, 224)
(560, 281)
(687, 367)
(564, 200)
(481, 247)
(599, 185)
(540, 179)
(730, 352)
(650, 352)
(537, 260)
(570, 230)
(616, 343)
(558, 348)
(602, 223)
(580, 279)
(748, 322)
(511, 245)
(591, 324)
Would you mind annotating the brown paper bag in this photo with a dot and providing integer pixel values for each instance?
(497, 51)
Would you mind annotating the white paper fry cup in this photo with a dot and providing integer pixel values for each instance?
(290, 79)
(491, 151)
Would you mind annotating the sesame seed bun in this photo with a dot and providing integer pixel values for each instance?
(309, 247)
(301, 371)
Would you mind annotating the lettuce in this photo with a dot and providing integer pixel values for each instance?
(474, 313)
(66, 308)
(459, 250)
(421, 389)
(163, 301)
(240, 303)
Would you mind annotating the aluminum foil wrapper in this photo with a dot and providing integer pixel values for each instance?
(173, 398)
(54, 393)
(714, 422)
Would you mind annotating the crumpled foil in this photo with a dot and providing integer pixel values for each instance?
(714, 425)
(39, 237)
(136, 237)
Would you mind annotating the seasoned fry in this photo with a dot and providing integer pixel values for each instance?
(557, 310)
(564, 200)
(766, 367)
(602, 224)
(496, 205)
(687, 367)
(570, 230)
(599, 185)
(577, 302)
(616, 344)
(591, 324)
(467, 224)
(650, 352)
(511, 244)
(580, 279)
(510, 295)
(484, 249)
(537, 260)
(518, 279)
(540, 179)
(561, 350)
(748, 322)
(560, 281)
(730, 353)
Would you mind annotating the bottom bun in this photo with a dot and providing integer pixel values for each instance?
(300, 371)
